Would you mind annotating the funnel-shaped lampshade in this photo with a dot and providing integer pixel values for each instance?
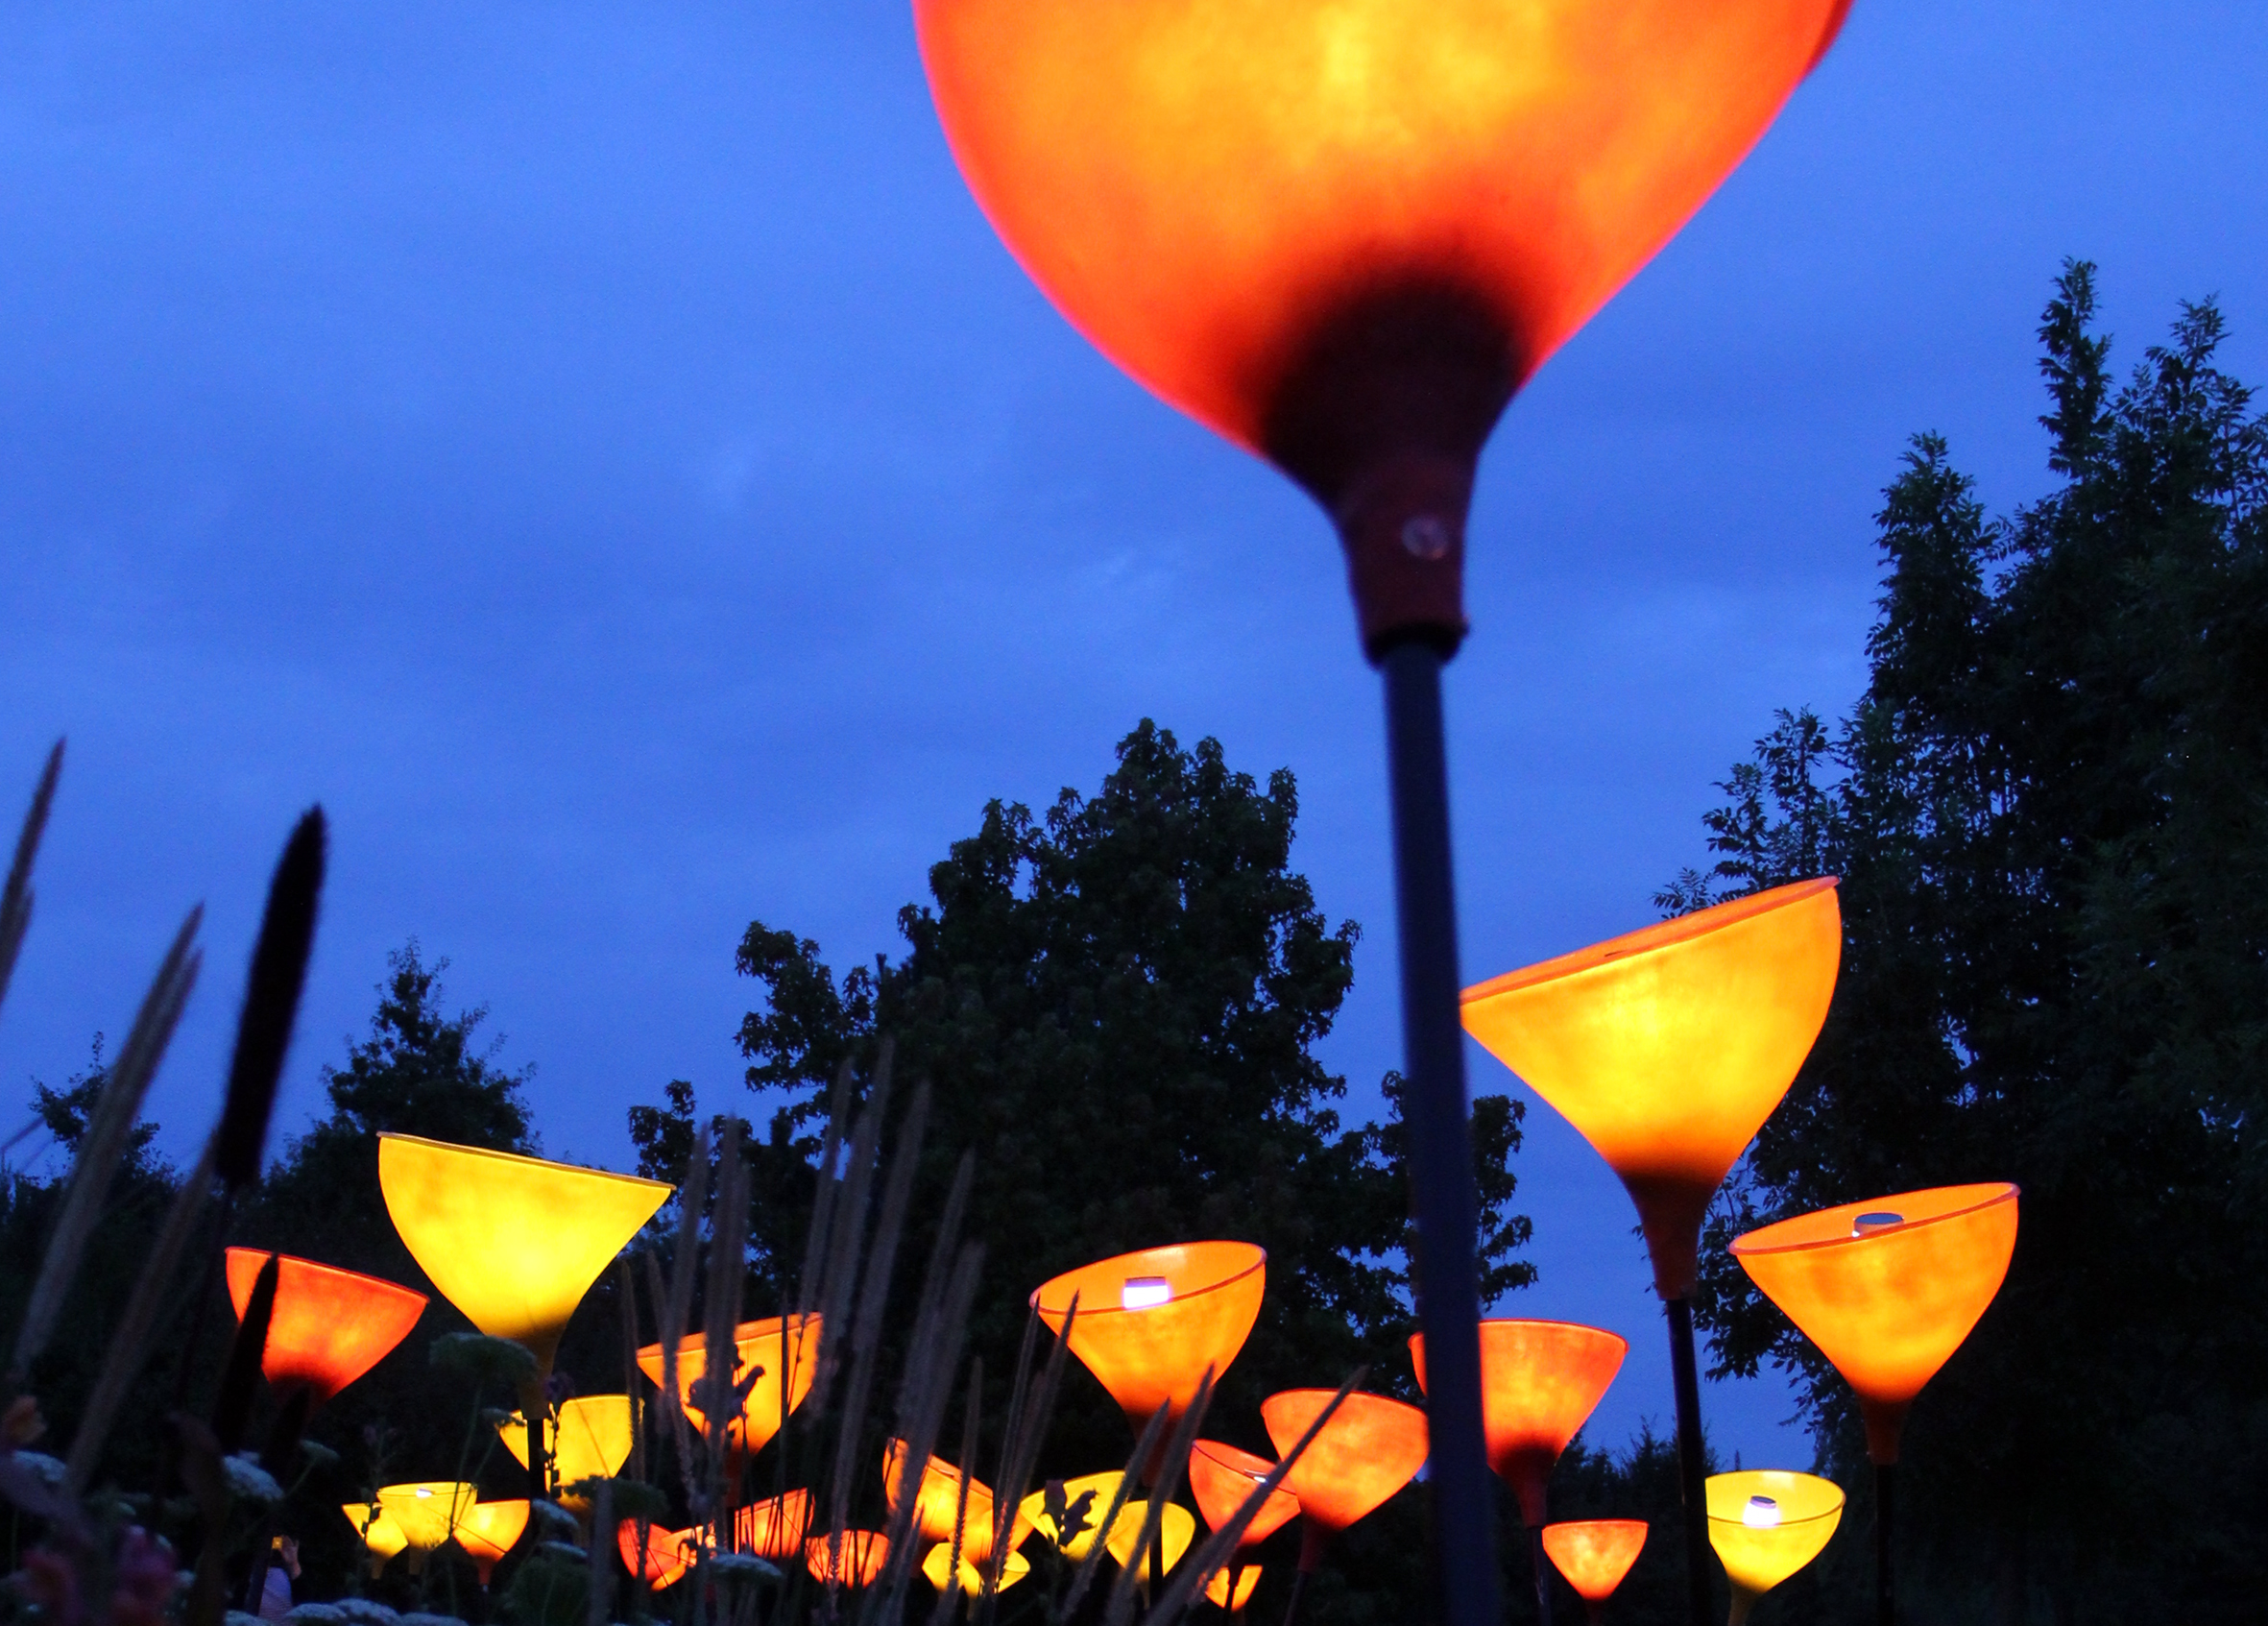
(429, 1511)
(1766, 1526)
(1223, 1478)
(777, 1347)
(1888, 1289)
(1098, 1489)
(1539, 1383)
(775, 1527)
(1014, 1568)
(1369, 1449)
(1178, 1528)
(937, 1502)
(1152, 1324)
(587, 1438)
(513, 1242)
(1593, 1554)
(1669, 1047)
(1217, 1589)
(331, 1325)
(1338, 233)
(852, 1557)
(668, 1553)
(382, 1537)
(489, 1530)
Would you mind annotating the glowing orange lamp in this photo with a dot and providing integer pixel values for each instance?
(330, 1325)
(489, 1530)
(1766, 1526)
(1595, 1554)
(1176, 1530)
(971, 1579)
(1224, 1479)
(851, 1558)
(1887, 1290)
(668, 1553)
(428, 1512)
(1154, 1323)
(1100, 1488)
(382, 1537)
(937, 1501)
(1369, 1449)
(586, 1438)
(777, 1347)
(775, 1527)
(1242, 1578)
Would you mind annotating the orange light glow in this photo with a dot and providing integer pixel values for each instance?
(1156, 1354)
(1369, 1449)
(1669, 1047)
(772, 1344)
(775, 1527)
(670, 1553)
(513, 1242)
(1888, 1289)
(938, 1500)
(587, 1438)
(1177, 1528)
(489, 1530)
(852, 1559)
(331, 1325)
(428, 1512)
(382, 1537)
(1595, 1554)
(1217, 1589)
(1766, 1526)
(1539, 1383)
(1223, 1478)
(1098, 1489)
(972, 1576)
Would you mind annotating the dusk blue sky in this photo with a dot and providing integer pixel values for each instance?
(602, 454)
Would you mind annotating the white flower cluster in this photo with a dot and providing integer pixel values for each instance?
(367, 1611)
(248, 1481)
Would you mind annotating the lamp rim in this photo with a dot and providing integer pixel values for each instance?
(1755, 1477)
(1650, 939)
(1987, 1194)
(1258, 1262)
(524, 1159)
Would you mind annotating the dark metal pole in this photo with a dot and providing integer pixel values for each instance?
(1886, 1478)
(1543, 1575)
(1692, 1469)
(1437, 1120)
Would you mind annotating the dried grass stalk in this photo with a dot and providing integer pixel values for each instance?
(16, 902)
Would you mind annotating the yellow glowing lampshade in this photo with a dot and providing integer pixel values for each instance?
(938, 1502)
(588, 1437)
(513, 1242)
(1223, 1478)
(429, 1511)
(1099, 1488)
(852, 1558)
(775, 1346)
(1178, 1528)
(1369, 1449)
(489, 1530)
(1669, 1047)
(1539, 1383)
(382, 1537)
(1217, 1589)
(776, 1526)
(1766, 1526)
(972, 1576)
(1593, 1554)
(1888, 1289)
(668, 1553)
(1153, 1322)
(330, 1326)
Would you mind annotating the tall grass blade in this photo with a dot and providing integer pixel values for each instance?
(16, 902)
(272, 1001)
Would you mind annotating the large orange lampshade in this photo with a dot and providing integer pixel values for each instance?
(1216, 1590)
(428, 1512)
(1888, 1289)
(382, 1537)
(938, 1500)
(587, 1438)
(1224, 1479)
(1669, 1047)
(1595, 1554)
(513, 1242)
(852, 1557)
(1369, 1449)
(668, 1553)
(1539, 1383)
(489, 1530)
(777, 1345)
(776, 1526)
(1100, 1488)
(1153, 1322)
(330, 1326)
(1343, 234)
(1766, 1526)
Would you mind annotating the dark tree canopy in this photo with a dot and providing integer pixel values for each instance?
(2050, 814)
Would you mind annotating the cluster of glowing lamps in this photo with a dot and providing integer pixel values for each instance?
(1342, 237)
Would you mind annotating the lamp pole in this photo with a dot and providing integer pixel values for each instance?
(1436, 1117)
(1692, 1470)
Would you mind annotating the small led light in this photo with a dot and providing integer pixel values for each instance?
(1761, 1513)
(1145, 1292)
(1880, 1220)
